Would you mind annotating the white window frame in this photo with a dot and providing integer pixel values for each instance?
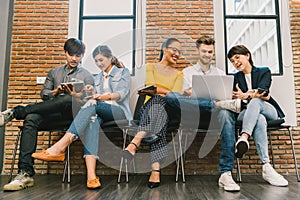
(74, 8)
(283, 88)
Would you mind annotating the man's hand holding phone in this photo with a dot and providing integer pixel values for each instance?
(59, 90)
(68, 88)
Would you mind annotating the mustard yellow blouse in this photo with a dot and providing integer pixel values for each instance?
(173, 82)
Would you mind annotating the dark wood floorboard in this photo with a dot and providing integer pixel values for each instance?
(253, 187)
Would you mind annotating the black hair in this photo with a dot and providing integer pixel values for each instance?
(207, 40)
(165, 45)
(74, 47)
(241, 50)
(106, 52)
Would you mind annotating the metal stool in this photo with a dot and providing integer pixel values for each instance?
(60, 126)
(272, 125)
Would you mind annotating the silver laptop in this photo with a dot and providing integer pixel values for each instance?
(215, 87)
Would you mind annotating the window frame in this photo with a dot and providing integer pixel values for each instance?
(275, 17)
(132, 17)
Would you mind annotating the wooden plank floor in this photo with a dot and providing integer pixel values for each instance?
(48, 187)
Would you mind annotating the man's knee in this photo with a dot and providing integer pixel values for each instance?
(33, 118)
(19, 112)
(171, 97)
(63, 99)
(226, 115)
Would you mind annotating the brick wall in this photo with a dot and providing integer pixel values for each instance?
(39, 31)
(295, 32)
(184, 20)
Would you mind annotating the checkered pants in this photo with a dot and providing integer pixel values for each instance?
(154, 121)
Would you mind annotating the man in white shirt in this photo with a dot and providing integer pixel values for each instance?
(186, 105)
(197, 69)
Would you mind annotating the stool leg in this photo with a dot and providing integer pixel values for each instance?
(133, 165)
(67, 167)
(294, 154)
(68, 157)
(126, 170)
(49, 144)
(238, 176)
(14, 155)
(183, 159)
(174, 146)
(124, 132)
(65, 171)
(271, 148)
(179, 156)
(120, 170)
(180, 161)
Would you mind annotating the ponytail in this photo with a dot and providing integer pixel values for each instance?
(105, 51)
(116, 62)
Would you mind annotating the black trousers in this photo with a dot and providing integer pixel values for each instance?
(58, 108)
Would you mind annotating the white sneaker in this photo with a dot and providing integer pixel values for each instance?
(226, 181)
(233, 105)
(241, 147)
(6, 116)
(271, 176)
(21, 181)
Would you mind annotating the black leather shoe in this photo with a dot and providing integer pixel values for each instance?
(154, 184)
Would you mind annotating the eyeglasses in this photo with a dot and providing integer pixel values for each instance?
(175, 50)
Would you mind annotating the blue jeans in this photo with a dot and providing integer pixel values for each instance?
(87, 123)
(225, 118)
(188, 104)
(255, 123)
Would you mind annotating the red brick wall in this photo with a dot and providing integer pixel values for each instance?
(184, 20)
(40, 29)
(295, 32)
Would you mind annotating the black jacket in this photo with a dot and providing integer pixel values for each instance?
(260, 78)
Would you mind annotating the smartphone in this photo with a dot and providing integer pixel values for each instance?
(260, 90)
(67, 84)
(151, 87)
